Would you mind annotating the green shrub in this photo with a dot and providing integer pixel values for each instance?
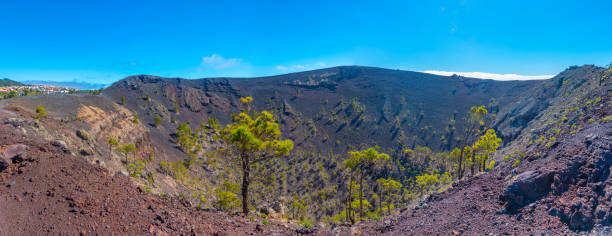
(597, 100)
(157, 120)
(305, 224)
(227, 200)
(40, 112)
(135, 118)
(490, 165)
(175, 169)
(199, 195)
(135, 167)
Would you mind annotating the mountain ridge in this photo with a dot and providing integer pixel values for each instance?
(328, 113)
(298, 73)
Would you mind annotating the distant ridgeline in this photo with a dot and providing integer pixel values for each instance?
(7, 82)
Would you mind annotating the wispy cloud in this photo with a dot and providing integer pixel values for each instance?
(301, 67)
(218, 62)
(484, 75)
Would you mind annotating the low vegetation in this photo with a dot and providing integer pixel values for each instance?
(40, 112)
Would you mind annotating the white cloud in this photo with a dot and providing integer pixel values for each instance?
(218, 62)
(484, 75)
(300, 67)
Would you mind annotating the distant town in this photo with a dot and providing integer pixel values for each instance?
(11, 89)
(42, 89)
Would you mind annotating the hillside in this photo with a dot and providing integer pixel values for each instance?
(47, 190)
(352, 104)
(7, 82)
(417, 118)
(554, 178)
(326, 113)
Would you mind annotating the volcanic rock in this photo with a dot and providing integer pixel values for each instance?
(83, 135)
(11, 154)
(526, 187)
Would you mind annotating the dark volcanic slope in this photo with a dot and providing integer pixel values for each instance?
(576, 197)
(46, 191)
(391, 107)
(326, 113)
(473, 206)
(555, 179)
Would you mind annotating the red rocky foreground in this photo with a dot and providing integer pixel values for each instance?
(568, 191)
(44, 191)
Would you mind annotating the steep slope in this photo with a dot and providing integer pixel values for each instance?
(543, 103)
(82, 123)
(46, 190)
(553, 179)
(562, 192)
(358, 105)
(326, 112)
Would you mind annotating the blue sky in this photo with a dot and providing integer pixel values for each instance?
(103, 41)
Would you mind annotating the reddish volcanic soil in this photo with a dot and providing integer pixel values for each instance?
(45, 191)
(470, 208)
(566, 191)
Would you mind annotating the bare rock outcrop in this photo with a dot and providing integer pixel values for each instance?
(84, 135)
(195, 99)
(526, 187)
(11, 154)
(585, 191)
